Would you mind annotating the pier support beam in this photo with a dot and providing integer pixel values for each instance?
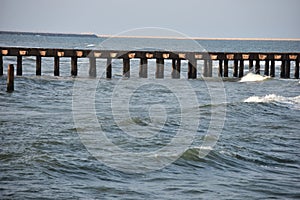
(56, 66)
(210, 70)
(108, 68)
(159, 68)
(272, 68)
(297, 68)
(257, 66)
(235, 68)
(19, 66)
(241, 68)
(74, 68)
(143, 71)
(205, 68)
(1, 65)
(282, 69)
(126, 68)
(192, 69)
(225, 68)
(287, 68)
(220, 70)
(38, 69)
(176, 68)
(10, 78)
(267, 67)
(251, 66)
(92, 69)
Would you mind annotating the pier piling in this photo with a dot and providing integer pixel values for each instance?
(257, 66)
(38, 70)
(241, 68)
(225, 68)
(287, 68)
(235, 68)
(282, 69)
(251, 65)
(220, 70)
(192, 69)
(1, 65)
(19, 65)
(176, 68)
(272, 68)
(56, 66)
(159, 68)
(74, 68)
(205, 68)
(10, 78)
(297, 68)
(126, 68)
(108, 68)
(267, 67)
(210, 70)
(143, 71)
(92, 69)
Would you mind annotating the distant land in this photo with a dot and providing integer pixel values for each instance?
(51, 34)
(93, 35)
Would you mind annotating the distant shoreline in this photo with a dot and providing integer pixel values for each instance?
(93, 35)
(51, 34)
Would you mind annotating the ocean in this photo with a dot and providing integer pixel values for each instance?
(83, 138)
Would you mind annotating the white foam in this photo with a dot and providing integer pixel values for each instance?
(250, 77)
(275, 98)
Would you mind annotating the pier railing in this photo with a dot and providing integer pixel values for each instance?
(223, 58)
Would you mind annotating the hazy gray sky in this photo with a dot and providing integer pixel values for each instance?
(196, 18)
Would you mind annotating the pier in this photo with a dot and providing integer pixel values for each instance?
(225, 60)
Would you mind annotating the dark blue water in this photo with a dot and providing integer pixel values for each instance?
(237, 140)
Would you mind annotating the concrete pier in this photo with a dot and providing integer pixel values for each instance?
(289, 61)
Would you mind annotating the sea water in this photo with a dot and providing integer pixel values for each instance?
(241, 137)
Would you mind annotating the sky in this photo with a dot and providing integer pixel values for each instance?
(194, 18)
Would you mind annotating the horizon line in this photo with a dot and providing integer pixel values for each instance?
(196, 38)
(157, 37)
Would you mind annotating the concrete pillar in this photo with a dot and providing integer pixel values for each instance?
(74, 69)
(143, 72)
(205, 68)
(251, 66)
(56, 66)
(10, 78)
(235, 68)
(109, 68)
(225, 68)
(159, 68)
(257, 66)
(192, 69)
(126, 68)
(267, 66)
(272, 68)
(176, 68)
(210, 70)
(19, 66)
(297, 68)
(241, 68)
(92, 70)
(220, 72)
(287, 69)
(38, 69)
(282, 69)
(1, 65)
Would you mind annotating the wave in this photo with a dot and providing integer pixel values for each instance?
(272, 98)
(250, 77)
